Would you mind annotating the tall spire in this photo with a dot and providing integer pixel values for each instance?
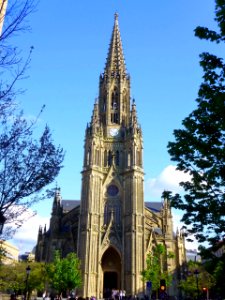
(134, 115)
(57, 201)
(115, 63)
(95, 118)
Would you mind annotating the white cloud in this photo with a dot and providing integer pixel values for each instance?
(177, 224)
(26, 236)
(168, 179)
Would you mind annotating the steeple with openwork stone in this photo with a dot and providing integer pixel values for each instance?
(57, 207)
(56, 212)
(112, 198)
(115, 63)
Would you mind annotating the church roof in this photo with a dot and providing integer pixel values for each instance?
(154, 206)
(115, 63)
(71, 204)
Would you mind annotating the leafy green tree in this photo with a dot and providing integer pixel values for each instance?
(215, 265)
(155, 267)
(218, 274)
(64, 273)
(27, 166)
(199, 147)
(195, 279)
(13, 277)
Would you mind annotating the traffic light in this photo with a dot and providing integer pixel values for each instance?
(162, 285)
(204, 293)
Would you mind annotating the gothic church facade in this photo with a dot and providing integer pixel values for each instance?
(112, 228)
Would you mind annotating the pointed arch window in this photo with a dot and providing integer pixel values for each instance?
(88, 161)
(105, 158)
(114, 107)
(129, 158)
(112, 211)
(104, 105)
(97, 156)
(117, 158)
(106, 214)
(110, 157)
(115, 100)
(114, 118)
(122, 163)
(139, 157)
(103, 119)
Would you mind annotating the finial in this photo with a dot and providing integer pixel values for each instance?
(116, 15)
(57, 191)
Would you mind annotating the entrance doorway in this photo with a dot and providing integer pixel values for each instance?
(110, 280)
(111, 268)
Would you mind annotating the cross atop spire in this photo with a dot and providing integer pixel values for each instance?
(116, 15)
(115, 63)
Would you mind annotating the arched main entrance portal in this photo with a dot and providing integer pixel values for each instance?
(111, 268)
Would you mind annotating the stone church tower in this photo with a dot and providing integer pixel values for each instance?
(112, 228)
(111, 232)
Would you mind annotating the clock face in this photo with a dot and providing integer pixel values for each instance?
(113, 131)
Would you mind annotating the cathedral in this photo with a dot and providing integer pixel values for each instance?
(112, 227)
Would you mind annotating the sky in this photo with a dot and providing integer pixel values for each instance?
(71, 43)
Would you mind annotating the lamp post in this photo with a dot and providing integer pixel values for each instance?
(28, 269)
(196, 272)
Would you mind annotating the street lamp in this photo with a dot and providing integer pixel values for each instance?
(28, 269)
(196, 272)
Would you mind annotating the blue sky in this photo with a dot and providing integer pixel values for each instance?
(70, 48)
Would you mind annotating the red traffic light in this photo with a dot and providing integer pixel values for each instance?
(162, 284)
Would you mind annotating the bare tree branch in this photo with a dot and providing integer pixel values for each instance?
(27, 164)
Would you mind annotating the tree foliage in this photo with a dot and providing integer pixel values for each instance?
(26, 167)
(214, 263)
(199, 147)
(155, 267)
(218, 274)
(64, 273)
(194, 279)
(13, 277)
(27, 163)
